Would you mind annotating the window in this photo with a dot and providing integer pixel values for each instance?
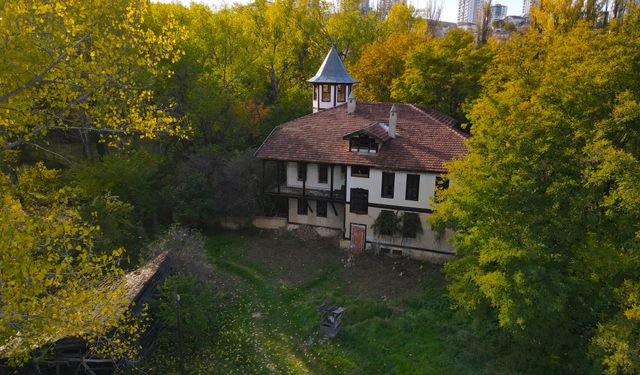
(302, 206)
(315, 93)
(362, 143)
(323, 173)
(302, 172)
(413, 185)
(326, 94)
(341, 93)
(359, 201)
(442, 183)
(321, 208)
(388, 180)
(359, 171)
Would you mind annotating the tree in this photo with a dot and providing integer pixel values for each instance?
(82, 69)
(443, 74)
(205, 186)
(483, 27)
(53, 284)
(381, 63)
(546, 205)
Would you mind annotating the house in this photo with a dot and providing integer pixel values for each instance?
(350, 165)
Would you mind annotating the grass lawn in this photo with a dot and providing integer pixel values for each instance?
(398, 318)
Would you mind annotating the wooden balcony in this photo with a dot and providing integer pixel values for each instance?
(274, 183)
(296, 192)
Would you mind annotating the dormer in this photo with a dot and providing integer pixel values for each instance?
(368, 140)
(331, 84)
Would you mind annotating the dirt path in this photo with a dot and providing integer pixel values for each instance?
(293, 262)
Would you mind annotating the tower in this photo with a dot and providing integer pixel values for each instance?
(469, 11)
(331, 84)
(498, 12)
(527, 5)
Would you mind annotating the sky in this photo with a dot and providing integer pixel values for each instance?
(449, 7)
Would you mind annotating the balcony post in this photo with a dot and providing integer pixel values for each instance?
(264, 182)
(331, 189)
(304, 180)
(278, 167)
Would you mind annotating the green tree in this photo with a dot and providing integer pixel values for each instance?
(382, 62)
(53, 284)
(545, 206)
(443, 74)
(83, 69)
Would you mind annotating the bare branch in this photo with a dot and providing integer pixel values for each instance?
(68, 161)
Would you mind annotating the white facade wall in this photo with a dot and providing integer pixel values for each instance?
(331, 221)
(312, 177)
(414, 247)
(427, 245)
(427, 240)
(374, 185)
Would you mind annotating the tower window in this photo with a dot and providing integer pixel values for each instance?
(326, 93)
(413, 186)
(341, 93)
(315, 93)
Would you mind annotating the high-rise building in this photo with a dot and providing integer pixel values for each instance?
(362, 5)
(384, 6)
(527, 5)
(498, 11)
(469, 11)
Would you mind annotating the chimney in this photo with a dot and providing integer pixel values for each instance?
(393, 119)
(351, 104)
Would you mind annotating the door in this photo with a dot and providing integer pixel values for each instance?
(358, 238)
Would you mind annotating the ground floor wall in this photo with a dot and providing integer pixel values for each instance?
(333, 220)
(428, 245)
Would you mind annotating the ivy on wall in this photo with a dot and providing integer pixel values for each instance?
(389, 223)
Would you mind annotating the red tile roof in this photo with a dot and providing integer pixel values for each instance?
(425, 139)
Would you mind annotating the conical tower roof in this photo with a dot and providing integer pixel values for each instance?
(332, 70)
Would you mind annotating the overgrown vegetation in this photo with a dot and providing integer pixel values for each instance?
(545, 207)
(120, 118)
(413, 334)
